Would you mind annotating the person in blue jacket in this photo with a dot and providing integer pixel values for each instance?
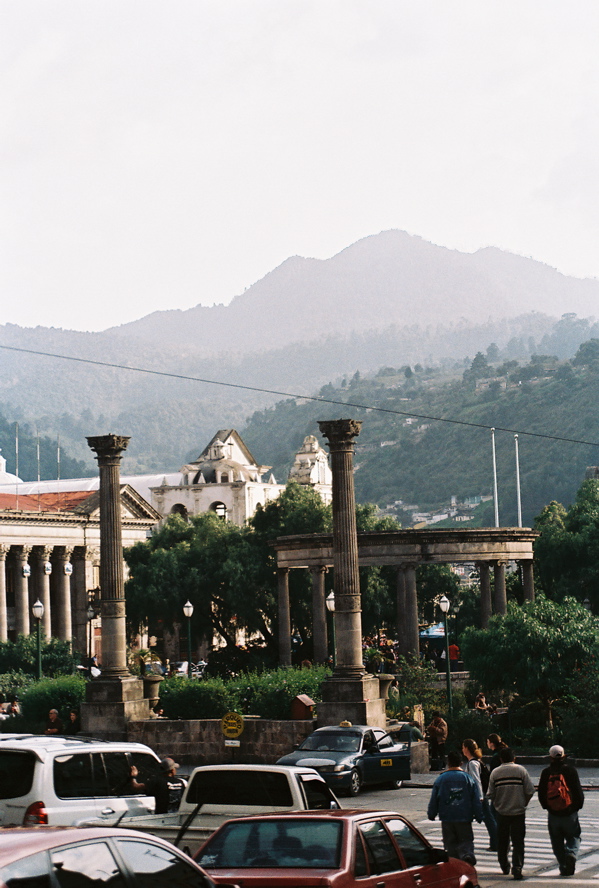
(456, 800)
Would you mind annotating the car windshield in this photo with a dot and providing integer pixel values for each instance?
(290, 844)
(332, 741)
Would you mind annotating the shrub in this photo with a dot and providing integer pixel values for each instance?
(63, 693)
(186, 698)
(270, 694)
(57, 658)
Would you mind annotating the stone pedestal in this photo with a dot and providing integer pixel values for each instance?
(356, 699)
(110, 704)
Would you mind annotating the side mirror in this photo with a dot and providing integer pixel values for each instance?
(439, 855)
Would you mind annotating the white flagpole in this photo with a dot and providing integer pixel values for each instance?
(495, 496)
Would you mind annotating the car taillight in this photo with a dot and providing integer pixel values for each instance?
(36, 815)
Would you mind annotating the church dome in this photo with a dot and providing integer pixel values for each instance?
(222, 471)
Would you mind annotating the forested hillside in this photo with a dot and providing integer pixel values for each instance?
(50, 452)
(405, 455)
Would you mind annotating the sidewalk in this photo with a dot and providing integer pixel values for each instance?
(589, 776)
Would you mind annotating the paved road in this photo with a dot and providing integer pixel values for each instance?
(540, 868)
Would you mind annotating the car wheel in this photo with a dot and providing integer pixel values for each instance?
(396, 784)
(355, 783)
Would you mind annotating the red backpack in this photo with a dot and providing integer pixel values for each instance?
(558, 794)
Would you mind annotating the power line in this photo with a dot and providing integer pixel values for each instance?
(317, 398)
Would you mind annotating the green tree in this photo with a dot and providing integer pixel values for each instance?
(539, 651)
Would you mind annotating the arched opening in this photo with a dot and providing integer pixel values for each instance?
(179, 509)
(220, 509)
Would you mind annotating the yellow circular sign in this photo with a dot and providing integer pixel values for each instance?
(232, 725)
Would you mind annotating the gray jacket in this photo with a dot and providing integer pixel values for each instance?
(510, 789)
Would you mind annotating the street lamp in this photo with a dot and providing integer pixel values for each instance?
(330, 603)
(90, 616)
(587, 605)
(38, 613)
(188, 611)
(444, 605)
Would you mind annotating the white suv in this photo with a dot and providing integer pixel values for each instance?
(61, 781)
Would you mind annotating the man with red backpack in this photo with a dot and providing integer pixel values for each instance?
(561, 795)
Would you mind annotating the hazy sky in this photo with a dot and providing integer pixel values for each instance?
(164, 154)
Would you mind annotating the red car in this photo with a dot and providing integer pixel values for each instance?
(52, 857)
(344, 849)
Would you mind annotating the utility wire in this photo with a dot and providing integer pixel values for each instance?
(318, 398)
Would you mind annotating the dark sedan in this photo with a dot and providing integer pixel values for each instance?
(349, 757)
(340, 849)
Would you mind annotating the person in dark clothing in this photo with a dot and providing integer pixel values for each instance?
(562, 806)
(495, 744)
(73, 724)
(54, 724)
(166, 788)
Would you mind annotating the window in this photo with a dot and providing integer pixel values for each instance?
(295, 844)
(16, 773)
(379, 844)
(251, 788)
(383, 740)
(73, 776)
(318, 795)
(30, 872)
(118, 773)
(414, 849)
(89, 865)
(157, 867)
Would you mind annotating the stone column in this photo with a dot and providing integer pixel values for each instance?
(528, 581)
(411, 611)
(485, 593)
(44, 570)
(109, 450)
(350, 693)
(79, 600)
(117, 697)
(21, 577)
(499, 597)
(319, 616)
(3, 611)
(62, 581)
(284, 617)
(348, 615)
(400, 611)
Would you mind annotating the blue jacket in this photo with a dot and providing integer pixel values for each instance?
(455, 798)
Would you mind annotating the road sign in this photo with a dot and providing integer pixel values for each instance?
(232, 725)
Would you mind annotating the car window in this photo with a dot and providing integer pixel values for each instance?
(88, 865)
(332, 740)
(273, 843)
(73, 777)
(29, 872)
(240, 788)
(360, 865)
(414, 849)
(157, 867)
(16, 773)
(118, 773)
(318, 794)
(383, 740)
(146, 764)
(379, 843)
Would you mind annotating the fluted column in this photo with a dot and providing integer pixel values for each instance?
(21, 578)
(3, 609)
(62, 580)
(79, 599)
(348, 619)
(43, 569)
(411, 610)
(485, 593)
(400, 611)
(109, 450)
(284, 616)
(528, 581)
(499, 597)
(319, 615)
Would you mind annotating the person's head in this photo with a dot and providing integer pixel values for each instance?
(494, 742)
(53, 714)
(470, 749)
(169, 766)
(454, 759)
(557, 753)
(507, 755)
(480, 696)
(73, 715)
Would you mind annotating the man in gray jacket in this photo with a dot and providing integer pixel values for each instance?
(510, 791)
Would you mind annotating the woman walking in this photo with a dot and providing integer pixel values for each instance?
(480, 773)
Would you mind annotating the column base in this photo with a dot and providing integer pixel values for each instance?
(110, 703)
(357, 700)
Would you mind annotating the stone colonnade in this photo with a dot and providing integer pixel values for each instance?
(60, 576)
(314, 552)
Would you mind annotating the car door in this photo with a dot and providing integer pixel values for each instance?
(150, 865)
(420, 858)
(114, 794)
(377, 863)
(395, 750)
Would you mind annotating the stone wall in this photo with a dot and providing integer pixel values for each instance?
(201, 742)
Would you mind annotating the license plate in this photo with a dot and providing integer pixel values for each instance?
(386, 763)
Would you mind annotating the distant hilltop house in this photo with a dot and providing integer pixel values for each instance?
(50, 530)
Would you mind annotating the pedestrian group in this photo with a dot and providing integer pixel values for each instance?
(498, 795)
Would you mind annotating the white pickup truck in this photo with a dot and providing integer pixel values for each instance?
(216, 793)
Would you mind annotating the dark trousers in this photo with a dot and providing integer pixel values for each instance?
(437, 752)
(458, 840)
(511, 827)
(564, 833)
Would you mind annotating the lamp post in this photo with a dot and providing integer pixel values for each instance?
(444, 605)
(587, 605)
(38, 613)
(188, 611)
(90, 616)
(330, 603)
